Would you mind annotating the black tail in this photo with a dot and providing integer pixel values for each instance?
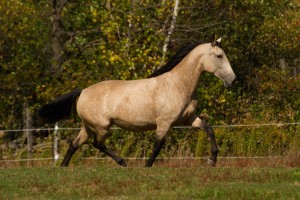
(59, 109)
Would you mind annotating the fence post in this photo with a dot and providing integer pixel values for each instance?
(282, 64)
(55, 145)
(27, 125)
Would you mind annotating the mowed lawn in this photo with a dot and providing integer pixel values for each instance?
(154, 183)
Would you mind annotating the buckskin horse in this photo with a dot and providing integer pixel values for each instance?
(165, 99)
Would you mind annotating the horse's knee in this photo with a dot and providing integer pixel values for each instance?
(196, 122)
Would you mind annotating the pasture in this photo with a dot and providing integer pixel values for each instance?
(178, 173)
(160, 182)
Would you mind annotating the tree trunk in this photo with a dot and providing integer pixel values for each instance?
(58, 38)
(171, 30)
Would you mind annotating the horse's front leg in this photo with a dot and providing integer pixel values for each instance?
(196, 122)
(160, 139)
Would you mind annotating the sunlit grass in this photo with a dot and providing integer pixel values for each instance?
(154, 183)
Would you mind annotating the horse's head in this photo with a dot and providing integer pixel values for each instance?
(216, 62)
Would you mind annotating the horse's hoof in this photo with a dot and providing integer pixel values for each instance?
(210, 162)
(122, 163)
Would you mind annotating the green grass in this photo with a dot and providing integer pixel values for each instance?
(154, 183)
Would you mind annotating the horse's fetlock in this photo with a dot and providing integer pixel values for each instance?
(121, 162)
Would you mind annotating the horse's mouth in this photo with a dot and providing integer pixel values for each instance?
(227, 83)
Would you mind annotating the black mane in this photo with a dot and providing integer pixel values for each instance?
(176, 59)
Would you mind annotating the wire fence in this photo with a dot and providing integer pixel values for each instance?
(175, 127)
(56, 157)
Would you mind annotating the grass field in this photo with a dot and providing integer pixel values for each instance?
(154, 183)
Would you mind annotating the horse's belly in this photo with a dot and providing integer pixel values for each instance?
(135, 125)
(133, 111)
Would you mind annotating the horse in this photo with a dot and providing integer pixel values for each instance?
(165, 99)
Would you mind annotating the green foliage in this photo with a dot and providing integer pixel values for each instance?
(23, 38)
(280, 94)
(123, 40)
(259, 33)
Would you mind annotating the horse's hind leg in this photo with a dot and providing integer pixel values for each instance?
(74, 145)
(99, 144)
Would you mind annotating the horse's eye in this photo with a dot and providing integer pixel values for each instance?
(220, 56)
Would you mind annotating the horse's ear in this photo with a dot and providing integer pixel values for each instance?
(213, 40)
(218, 42)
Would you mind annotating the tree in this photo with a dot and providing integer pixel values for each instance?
(171, 29)
(23, 39)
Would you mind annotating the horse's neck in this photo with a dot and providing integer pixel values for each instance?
(187, 73)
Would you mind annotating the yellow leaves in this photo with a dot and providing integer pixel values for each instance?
(94, 14)
(221, 99)
(113, 58)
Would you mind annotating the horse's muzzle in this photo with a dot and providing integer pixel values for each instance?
(229, 83)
